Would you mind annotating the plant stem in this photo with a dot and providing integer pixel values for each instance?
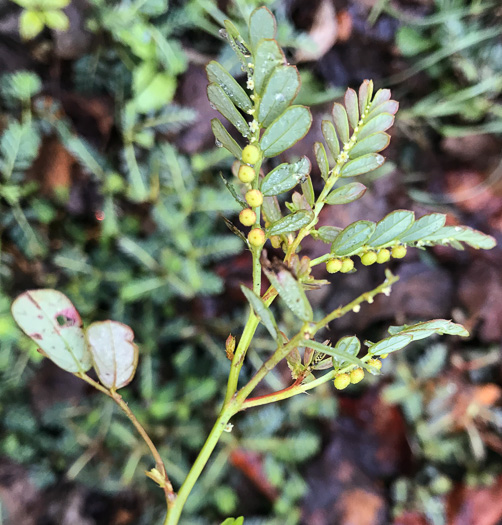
(167, 486)
(174, 512)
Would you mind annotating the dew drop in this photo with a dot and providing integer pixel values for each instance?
(280, 97)
(218, 144)
(223, 33)
(212, 105)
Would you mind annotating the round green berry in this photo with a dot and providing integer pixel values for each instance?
(250, 154)
(254, 198)
(356, 376)
(247, 217)
(347, 265)
(369, 258)
(399, 251)
(375, 363)
(383, 256)
(256, 237)
(341, 381)
(334, 265)
(246, 173)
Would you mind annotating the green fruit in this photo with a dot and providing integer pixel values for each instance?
(347, 265)
(383, 256)
(247, 217)
(399, 251)
(356, 376)
(334, 265)
(256, 237)
(254, 198)
(246, 173)
(369, 258)
(250, 154)
(341, 381)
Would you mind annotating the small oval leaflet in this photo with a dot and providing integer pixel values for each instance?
(280, 91)
(349, 346)
(49, 318)
(226, 140)
(267, 58)
(220, 76)
(262, 24)
(290, 223)
(364, 164)
(226, 107)
(391, 227)
(114, 354)
(285, 177)
(261, 311)
(426, 225)
(353, 237)
(286, 130)
(371, 144)
(346, 193)
(291, 292)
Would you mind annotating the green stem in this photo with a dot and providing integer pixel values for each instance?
(174, 513)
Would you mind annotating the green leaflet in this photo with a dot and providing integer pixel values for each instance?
(381, 96)
(322, 160)
(308, 190)
(49, 318)
(352, 107)
(225, 139)
(423, 227)
(390, 344)
(371, 144)
(346, 193)
(364, 164)
(352, 237)
(346, 346)
(286, 130)
(365, 94)
(291, 292)
(261, 311)
(262, 24)
(114, 355)
(268, 57)
(271, 209)
(391, 106)
(221, 102)
(329, 134)
(473, 238)
(217, 74)
(234, 521)
(341, 121)
(381, 122)
(328, 234)
(290, 223)
(391, 227)
(281, 90)
(336, 353)
(285, 177)
(427, 328)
